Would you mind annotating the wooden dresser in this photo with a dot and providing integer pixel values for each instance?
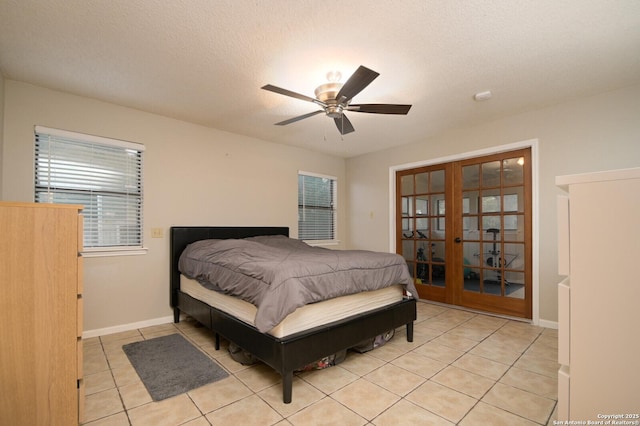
(40, 314)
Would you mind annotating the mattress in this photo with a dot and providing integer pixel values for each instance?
(303, 318)
(280, 274)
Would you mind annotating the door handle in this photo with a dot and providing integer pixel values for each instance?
(458, 240)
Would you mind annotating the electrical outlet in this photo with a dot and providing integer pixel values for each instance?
(157, 233)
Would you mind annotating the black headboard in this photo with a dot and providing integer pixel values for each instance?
(182, 236)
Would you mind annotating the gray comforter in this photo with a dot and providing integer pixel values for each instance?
(279, 274)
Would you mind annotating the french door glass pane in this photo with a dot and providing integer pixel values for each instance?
(437, 251)
(472, 201)
(422, 183)
(437, 181)
(422, 206)
(513, 171)
(422, 227)
(511, 203)
(472, 279)
(470, 176)
(514, 256)
(471, 253)
(408, 249)
(514, 227)
(490, 222)
(491, 174)
(406, 185)
(514, 285)
(491, 201)
(407, 228)
(470, 224)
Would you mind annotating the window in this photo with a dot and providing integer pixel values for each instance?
(103, 175)
(317, 200)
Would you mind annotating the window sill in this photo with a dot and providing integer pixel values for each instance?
(115, 251)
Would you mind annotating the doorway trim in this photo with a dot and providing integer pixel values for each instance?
(530, 143)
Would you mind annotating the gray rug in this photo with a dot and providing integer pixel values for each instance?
(170, 365)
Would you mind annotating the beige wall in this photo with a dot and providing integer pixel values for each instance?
(595, 133)
(193, 175)
(200, 176)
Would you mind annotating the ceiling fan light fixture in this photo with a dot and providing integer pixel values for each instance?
(328, 91)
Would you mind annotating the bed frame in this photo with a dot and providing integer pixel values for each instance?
(290, 353)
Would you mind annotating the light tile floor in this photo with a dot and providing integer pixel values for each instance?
(462, 368)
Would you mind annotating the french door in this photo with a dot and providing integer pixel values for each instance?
(464, 229)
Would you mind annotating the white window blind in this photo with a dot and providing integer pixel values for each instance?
(104, 175)
(317, 204)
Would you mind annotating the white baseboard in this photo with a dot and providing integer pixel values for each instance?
(548, 324)
(126, 327)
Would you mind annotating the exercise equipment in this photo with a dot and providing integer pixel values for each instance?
(494, 259)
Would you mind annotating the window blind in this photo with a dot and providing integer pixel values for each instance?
(316, 207)
(103, 175)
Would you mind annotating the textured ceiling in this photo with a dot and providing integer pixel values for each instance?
(204, 61)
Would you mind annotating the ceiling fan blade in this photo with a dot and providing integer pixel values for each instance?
(286, 92)
(358, 81)
(298, 118)
(380, 108)
(343, 124)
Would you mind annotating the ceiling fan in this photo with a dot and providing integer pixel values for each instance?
(335, 98)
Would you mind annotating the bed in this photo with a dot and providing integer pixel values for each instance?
(285, 350)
